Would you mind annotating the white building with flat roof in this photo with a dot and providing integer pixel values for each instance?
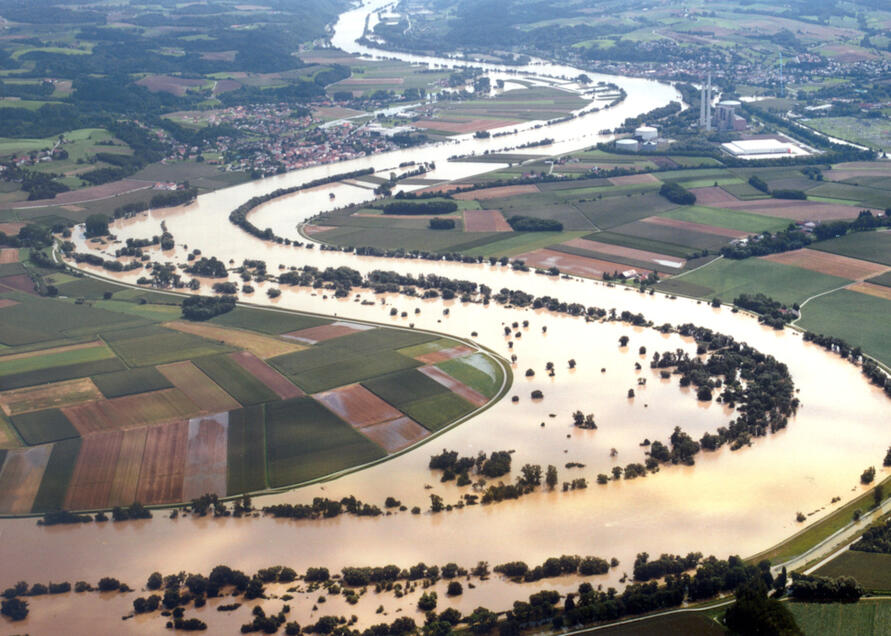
(763, 148)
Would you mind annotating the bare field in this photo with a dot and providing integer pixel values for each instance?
(199, 388)
(48, 396)
(9, 255)
(358, 406)
(396, 434)
(879, 291)
(453, 385)
(94, 473)
(314, 335)
(206, 455)
(634, 179)
(267, 375)
(131, 411)
(126, 471)
(20, 478)
(713, 196)
(574, 264)
(174, 85)
(312, 230)
(20, 282)
(827, 263)
(694, 227)
(496, 193)
(624, 252)
(11, 229)
(6, 302)
(442, 355)
(797, 210)
(260, 345)
(163, 464)
(485, 221)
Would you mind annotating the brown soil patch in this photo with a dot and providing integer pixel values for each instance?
(358, 406)
(312, 230)
(6, 302)
(20, 478)
(94, 472)
(9, 255)
(19, 282)
(442, 355)
(879, 291)
(11, 229)
(126, 471)
(48, 396)
(314, 335)
(92, 193)
(485, 221)
(163, 464)
(695, 227)
(713, 195)
(260, 345)
(206, 456)
(396, 434)
(266, 374)
(464, 126)
(628, 252)
(48, 352)
(472, 396)
(131, 411)
(634, 179)
(797, 210)
(826, 263)
(204, 392)
(574, 264)
(496, 193)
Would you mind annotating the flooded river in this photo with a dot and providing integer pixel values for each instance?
(728, 503)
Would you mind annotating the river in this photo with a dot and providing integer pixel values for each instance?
(728, 503)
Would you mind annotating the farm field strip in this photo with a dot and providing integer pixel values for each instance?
(575, 264)
(797, 210)
(234, 380)
(485, 221)
(131, 411)
(260, 345)
(879, 291)
(274, 380)
(199, 388)
(57, 476)
(634, 179)
(444, 354)
(206, 456)
(395, 435)
(20, 478)
(663, 260)
(869, 246)
(131, 382)
(48, 396)
(46, 358)
(453, 385)
(694, 227)
(9, 255)
(828, 263)
(94, 473)
(499, 192)
(163, 464)
(323, 333)
(246, 450)
(357, 406)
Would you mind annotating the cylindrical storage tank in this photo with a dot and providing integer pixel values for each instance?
(628, 144)
(646, 133)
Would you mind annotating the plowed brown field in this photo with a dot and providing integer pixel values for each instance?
(206, 456)
(126, 472)
(485, 221)
(266, 374)
(94, 472)
(826, 263)
(163, 464)
(496, 193)
(396, 434)
(358, 406)
(9, 255)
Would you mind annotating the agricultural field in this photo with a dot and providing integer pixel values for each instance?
(855, 317)
(873, 133)
(130, 403)
(871, 569)
(869, 246)
(867, 617)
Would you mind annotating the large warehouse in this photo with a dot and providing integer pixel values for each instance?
(763, 148)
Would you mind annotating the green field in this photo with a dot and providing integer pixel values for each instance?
(476, 371)
(50, 360)
(729, 219)
(855, 317)
(520, 242)
(642, 243)
(404, 386)
(54, 485)
(865, 618)
(872, 570)
(436, 411)
(86, 288)
(41, 427)
(870, 246)
(674, 624)
(131, 381)
(246, 453)
(354, 369)
(882, 279)
(235, 380)
(727, 279)
(304, 441)
(157, 345)
(271, 322)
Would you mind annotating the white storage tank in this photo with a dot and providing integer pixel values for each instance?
(631, 145)
(646, 133)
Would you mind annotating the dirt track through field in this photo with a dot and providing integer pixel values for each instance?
(575, 264)
(205, 470)
(199, 388)
(496, 193)
(94, 472)
(163, 464)
(396, 434)
(879, 291)
(694, 227)
(358, 406)
(20, 478)
(266, 374)
(826, 263)
(126, 471)
(453, 385)
(485, 221)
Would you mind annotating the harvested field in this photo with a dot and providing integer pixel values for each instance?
(11, 229)
(258, 344)
(576, 265)
(20, 478)
(6, 302)
(206, 456)
(634, 179)
(9, 255)
(235, 380)
(199, 388)
(694, 227)
(266, 374)
(357, 406)
(127, 469)
(664, 260)
(48, 396)
(797, 210)
(105, 191)
(314, 335)
(131, 381)
(131, 411)
(163, 464)
(453, 385)
(444, 354)
(879, 291)
(19, 282)
(485, 221)
(496, 193)
(94, 472)
(713, 196)
(395, 435)
(828, 263)
(464, 126)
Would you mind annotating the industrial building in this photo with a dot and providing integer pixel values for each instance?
(763, 148)
(726, 117)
